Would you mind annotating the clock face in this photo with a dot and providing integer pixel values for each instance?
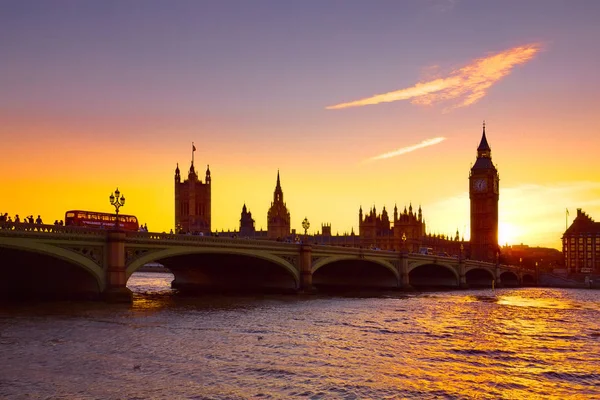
(479, 185)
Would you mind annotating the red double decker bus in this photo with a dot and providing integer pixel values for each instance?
(92, 219)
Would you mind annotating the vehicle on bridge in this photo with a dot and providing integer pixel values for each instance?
(92, 219)
(426, 251)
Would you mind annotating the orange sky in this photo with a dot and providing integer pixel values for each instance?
(85, 109)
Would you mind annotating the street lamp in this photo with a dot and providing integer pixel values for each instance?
(403, 242)
(462, 248)
(520, 263)
(118, 203)
(305, 225)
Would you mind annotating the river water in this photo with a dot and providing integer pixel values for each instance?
(508, 344)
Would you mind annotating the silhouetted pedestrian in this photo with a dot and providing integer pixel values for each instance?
(17, 219)
(38, 220)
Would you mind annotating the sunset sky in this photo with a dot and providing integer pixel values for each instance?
(355, 102)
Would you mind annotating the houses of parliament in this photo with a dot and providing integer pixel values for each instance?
(403, 231)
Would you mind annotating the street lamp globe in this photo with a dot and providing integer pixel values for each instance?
(117, 203)
(305, 225)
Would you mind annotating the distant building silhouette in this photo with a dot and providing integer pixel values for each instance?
(247, 223)
(547, 259)
(278, 216)
(377, 230)
(581, 245)
(406, 232)
(326, 230)
(484, 192)
(193, 202)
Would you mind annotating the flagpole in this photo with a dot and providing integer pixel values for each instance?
(566, 219)
(193, 148)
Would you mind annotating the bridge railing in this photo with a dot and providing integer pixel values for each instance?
(12, 228)
(184, 238)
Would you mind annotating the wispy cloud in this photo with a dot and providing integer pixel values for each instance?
(465, 85)
(407, 149)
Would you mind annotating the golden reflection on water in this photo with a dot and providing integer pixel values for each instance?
(151, 290)
(539, 302)
(475, 344)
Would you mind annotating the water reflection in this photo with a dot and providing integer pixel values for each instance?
(538, 298)
(498, 344)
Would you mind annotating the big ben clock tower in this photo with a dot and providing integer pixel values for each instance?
(484, 192)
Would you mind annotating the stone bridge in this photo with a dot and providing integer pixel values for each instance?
(92, 263)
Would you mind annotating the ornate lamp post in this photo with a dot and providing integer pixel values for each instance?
(118, 203)
(305, 225)
(462, 248)
(520, 263)
(403, 242)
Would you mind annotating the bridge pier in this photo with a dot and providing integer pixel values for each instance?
(462, 275)
(306, 268)
(403, 272)
(116, 290)
(498, 282)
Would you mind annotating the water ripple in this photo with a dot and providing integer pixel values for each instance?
(516, 343)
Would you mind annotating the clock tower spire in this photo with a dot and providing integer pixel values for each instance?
(484, 193)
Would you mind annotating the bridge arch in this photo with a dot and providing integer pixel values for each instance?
(528, 280)
(29, 265)
(351, 271)
(329, 260)
(164, 254)
(425, 273)
(479, 277)
(509, 279)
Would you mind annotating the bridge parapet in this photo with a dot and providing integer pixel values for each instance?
(23, 229)
(352, 251)
(484, 264)
(187, 240)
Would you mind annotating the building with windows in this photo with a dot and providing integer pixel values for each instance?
(581, 245)
(192, 202)
(484, 193)
(404, 232)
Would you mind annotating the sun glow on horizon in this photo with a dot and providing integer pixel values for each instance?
(508, 233)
